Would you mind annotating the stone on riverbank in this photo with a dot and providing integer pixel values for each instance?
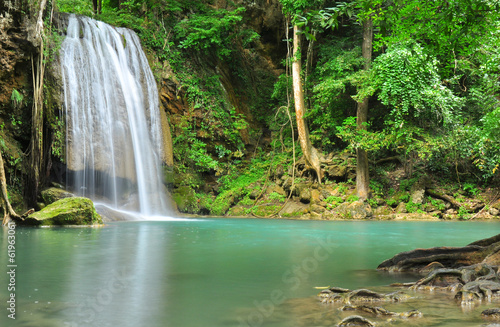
(68, 211)
(52, 194)
(355, 210)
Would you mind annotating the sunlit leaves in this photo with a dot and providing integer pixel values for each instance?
(206, 30)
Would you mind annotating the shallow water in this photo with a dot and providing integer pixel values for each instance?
(219, 272)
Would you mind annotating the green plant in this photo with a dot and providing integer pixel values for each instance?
(14, 121)
(404, 197)
(409, 83)
(246, 201)
(376, 187)
(277, 197)
(58, 145)
(373, 202)
(463, 213)
(352, 198)
(16, 98)
(212, 30)
(412, 207)
(342, 188)
(392, 202)
(439, 204)
(471, 189)
(406, 184)
(333, 201)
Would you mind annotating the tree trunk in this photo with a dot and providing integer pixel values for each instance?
(362, 169)
(310, 153)
(8, 211)
(36, 149)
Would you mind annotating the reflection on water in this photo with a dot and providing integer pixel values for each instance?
(219, 272)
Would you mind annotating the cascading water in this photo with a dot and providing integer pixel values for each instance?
(114, 139)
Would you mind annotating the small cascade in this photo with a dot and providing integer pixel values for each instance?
(114, 137)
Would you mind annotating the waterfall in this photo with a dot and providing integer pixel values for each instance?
(114, 140)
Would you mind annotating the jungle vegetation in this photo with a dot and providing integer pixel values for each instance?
(391, 82)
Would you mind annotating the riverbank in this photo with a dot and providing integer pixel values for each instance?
(277, 193)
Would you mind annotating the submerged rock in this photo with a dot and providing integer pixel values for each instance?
(491, 314)
(379, 311)
(342, 295)
(68, 211)
(355, 321)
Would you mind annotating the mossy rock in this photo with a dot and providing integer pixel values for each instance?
(186, 200)
(68, 211)
(265, 210)
(382, 211)
(54, 194)
(238, 211)
(294, 209)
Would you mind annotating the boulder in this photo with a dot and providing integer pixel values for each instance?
(68, 211)
(496, 205)
(279, 171)
(305, 195)
(355, 210)
(355, 321)
(336, 171)
(315, 196)
(417, 191)
(293, 208)
(273, 189)
(417, 196)
(53, 194)
(401, 208)
(494, 211)
(382, 211)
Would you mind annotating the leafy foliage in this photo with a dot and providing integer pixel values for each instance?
(211, 30)
(409, 83)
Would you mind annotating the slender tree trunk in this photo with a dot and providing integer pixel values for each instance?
(362, 169)
(8, 210)
(97, 5)
(310, 153)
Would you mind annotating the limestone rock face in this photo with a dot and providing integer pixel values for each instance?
(68, 211)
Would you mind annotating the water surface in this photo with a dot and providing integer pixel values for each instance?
(218, 272)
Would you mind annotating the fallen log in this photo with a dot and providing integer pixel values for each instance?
(443, 196)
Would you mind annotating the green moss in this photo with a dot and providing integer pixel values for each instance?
(265, 210)
(186, 200)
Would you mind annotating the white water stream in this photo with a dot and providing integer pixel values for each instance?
(114, 140)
